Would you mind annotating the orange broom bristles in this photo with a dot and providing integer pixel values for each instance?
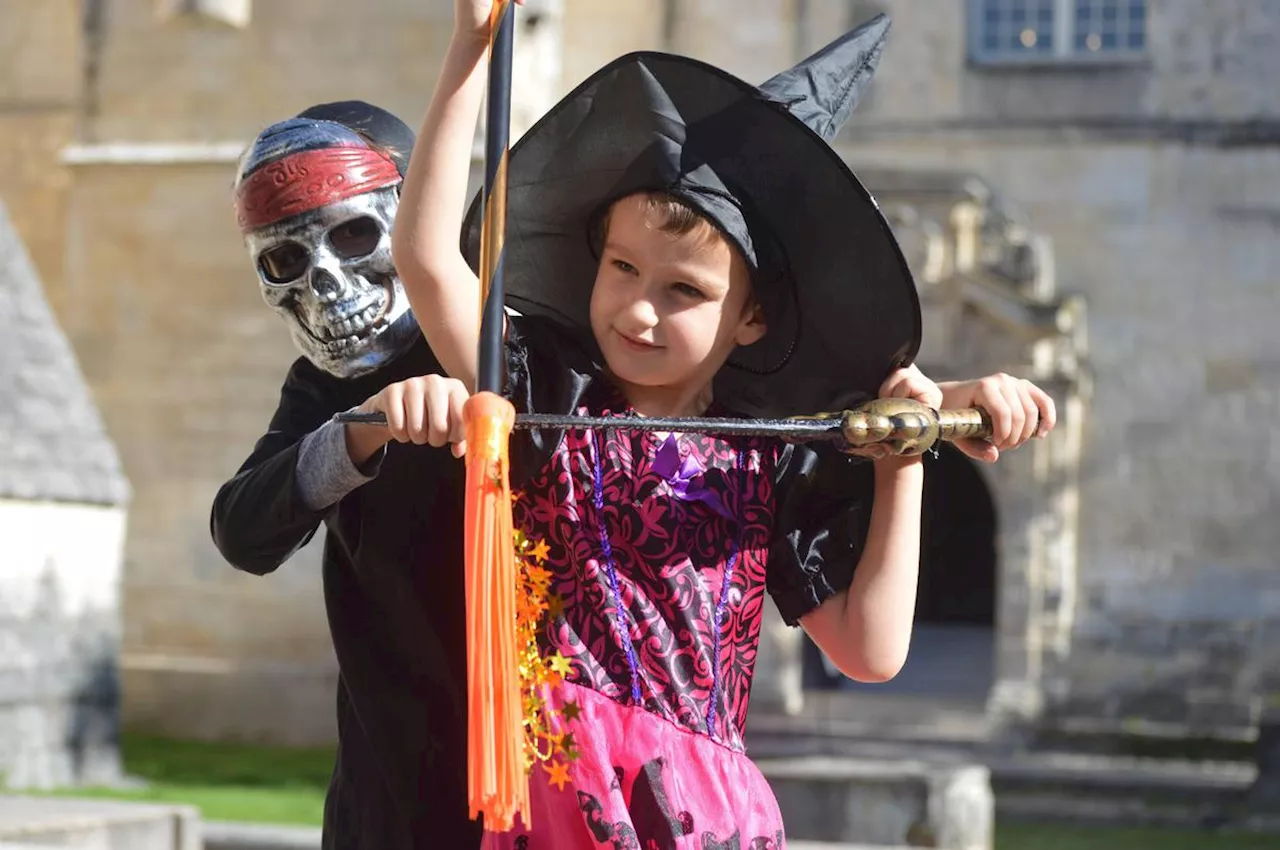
(498, 785)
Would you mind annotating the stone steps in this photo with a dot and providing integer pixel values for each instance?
(1046, 785)
(97, 824)
(883, 803)
(1116, 790)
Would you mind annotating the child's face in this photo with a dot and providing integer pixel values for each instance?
(667, 310)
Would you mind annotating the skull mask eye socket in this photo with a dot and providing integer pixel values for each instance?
(284, 263)
(288, 261)
(355, 238)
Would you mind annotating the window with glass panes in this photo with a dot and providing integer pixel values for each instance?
(1048, 30)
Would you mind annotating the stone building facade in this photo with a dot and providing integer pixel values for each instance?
(1156, 174)
(1131, 582)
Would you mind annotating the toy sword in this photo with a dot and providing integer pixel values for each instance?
(899, 426)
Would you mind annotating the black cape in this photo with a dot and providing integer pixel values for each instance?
(394, 595)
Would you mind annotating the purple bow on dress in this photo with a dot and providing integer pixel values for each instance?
(686, 477)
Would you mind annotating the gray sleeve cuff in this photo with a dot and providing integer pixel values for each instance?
(325, 470)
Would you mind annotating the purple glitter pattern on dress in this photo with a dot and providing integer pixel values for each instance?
(668, 600)
(611, 568)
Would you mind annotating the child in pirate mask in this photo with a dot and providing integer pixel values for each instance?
(682, 243)
(315, 197)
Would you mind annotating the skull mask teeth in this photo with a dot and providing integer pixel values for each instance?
(329, 274)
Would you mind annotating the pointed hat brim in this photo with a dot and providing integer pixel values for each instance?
(839, 300)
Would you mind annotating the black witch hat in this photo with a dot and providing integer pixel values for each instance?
(841, 307)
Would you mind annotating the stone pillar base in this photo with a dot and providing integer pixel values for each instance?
(884, 803)
(103, 824)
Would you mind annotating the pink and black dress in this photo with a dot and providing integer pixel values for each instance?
(663, 548)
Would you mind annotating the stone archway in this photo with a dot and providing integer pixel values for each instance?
(953, 643)
(990, 304)
(958, 545)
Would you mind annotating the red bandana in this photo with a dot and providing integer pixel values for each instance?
(309, 180)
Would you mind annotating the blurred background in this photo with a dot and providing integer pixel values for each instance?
(1089, 194)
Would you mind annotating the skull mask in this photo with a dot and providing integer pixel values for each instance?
(328, 273)
(315, 197)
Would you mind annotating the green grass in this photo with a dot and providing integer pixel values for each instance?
(294, 806)
(1035, 836)
(226, 781)
(274, 785)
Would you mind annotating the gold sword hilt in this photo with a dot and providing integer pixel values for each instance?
(902, 426)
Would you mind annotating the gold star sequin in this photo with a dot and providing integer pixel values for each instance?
(558, 774)
(555, 607)
(561, 665)
(538, 578)
(545, 740)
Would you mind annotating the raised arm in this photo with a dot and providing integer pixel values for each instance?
(443, 291)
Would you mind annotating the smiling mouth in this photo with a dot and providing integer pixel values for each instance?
(346, 328)
(637, 344)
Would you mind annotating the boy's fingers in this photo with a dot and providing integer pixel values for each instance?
(979, 450)
(1048, 411)
(393, 408)
(897, 385)
(458, 426)
(1001, 418)
(932, 396)
(437, 396)
(1017, 417)
(415, 406)
(1031, 412)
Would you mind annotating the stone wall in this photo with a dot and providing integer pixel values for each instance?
(1157, 182)
(1175, 249)
(40, 76)
(1206, 63)
(186, 364)
(60, 578)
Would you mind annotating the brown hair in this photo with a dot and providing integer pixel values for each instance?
(662, 210)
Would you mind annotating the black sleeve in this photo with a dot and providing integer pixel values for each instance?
(823, 510)
(548, 371)
(259, 519)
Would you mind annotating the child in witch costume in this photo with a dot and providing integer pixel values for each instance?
(681, 243)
